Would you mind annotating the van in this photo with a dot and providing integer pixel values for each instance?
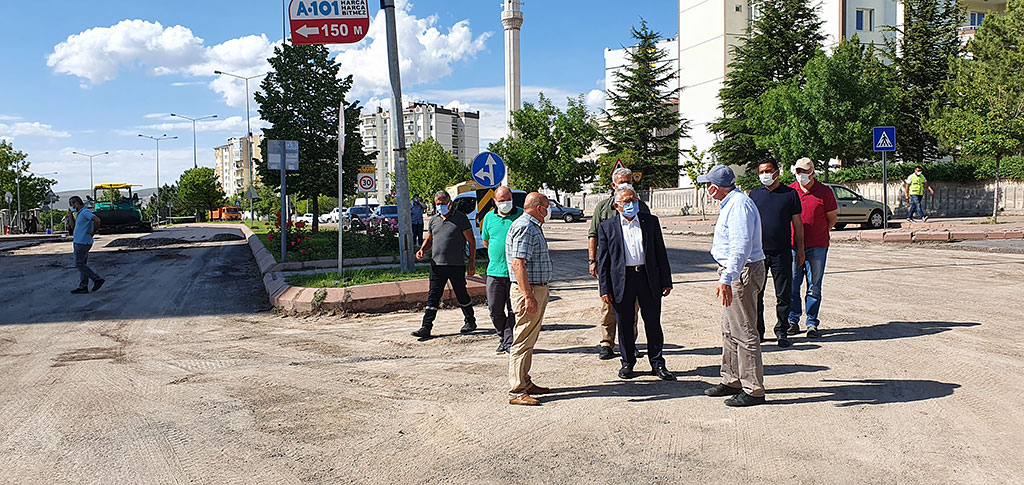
(466, 203)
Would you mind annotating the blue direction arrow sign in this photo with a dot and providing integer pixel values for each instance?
(488, 169)
(884, 138)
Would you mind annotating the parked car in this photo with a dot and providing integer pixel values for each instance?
(386, 216)
(567, 214)
(358, 216)
(330, 217)
(855, 209)
(307, 218)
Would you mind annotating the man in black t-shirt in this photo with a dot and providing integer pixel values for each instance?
(780, 210)
(447, 235)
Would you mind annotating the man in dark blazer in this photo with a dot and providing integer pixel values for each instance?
(633, 267)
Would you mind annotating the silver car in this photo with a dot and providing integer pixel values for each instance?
(855, 209)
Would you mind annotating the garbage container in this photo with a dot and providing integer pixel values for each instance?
(49, 231)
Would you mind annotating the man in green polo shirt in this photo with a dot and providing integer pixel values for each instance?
(493, 231)
(603, 211)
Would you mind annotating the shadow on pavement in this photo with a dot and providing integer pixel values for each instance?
(867, 391)
(714, 371)
(638, 389)
(891, 330)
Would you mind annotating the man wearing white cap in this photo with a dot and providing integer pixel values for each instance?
(737, 249)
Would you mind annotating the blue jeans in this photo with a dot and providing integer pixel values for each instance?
(813, 271)
(915, 206)
(82, 263)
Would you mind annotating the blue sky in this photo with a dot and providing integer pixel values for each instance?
(91, 76)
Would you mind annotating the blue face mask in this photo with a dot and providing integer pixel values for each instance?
(442, 209)
(631, 209)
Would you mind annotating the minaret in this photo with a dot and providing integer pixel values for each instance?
(512, 19)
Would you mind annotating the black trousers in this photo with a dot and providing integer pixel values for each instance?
(417, 234)
(499, 303)
(781, 268)
(439, 276)
(638, 290)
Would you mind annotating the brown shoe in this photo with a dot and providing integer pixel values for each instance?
(524, 400)
(535, 389)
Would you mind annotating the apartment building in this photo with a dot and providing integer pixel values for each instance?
(232, 167)
(458, 132)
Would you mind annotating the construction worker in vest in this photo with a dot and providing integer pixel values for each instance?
(916, 183)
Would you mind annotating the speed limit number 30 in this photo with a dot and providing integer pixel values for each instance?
(367, 182)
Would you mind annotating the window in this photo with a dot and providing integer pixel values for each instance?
(976, 18)
(843, 193)
(866, 19)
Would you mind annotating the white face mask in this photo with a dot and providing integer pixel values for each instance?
(767, 178)
(505, 207)
(547, 214)
(803, 178)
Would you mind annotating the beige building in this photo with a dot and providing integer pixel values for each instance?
(458, 132)
(232, 167)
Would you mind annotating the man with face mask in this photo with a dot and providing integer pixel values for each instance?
(782, 232)
(819, 212)
(84, 225)
(493, 232)
(915, 186)
(633, 269)
(603, 211)
(737, 249)
(447, 237)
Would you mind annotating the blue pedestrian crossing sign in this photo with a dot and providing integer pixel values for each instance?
(884, 138)
(488, 169)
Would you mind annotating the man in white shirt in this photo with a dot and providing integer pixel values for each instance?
(737, 249)
(633, 269)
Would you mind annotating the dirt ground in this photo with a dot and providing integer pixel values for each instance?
(177, 372)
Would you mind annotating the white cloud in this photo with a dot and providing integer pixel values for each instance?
(230, 124)
(4, 117)
(595, 100)
(33, 128)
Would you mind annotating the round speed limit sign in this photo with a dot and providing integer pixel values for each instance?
(367, 182)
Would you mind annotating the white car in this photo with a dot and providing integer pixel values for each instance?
(330, 217)
(307, 218)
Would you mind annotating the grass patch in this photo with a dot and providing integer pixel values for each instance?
(324, 244)
(356, 277)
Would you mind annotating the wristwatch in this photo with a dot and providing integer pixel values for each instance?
(591, 261)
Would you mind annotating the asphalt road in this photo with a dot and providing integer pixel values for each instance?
(176, 373)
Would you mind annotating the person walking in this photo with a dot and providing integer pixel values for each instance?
(603, 211)
(493, 232)
(449, 233)
(741, 277)
(417, 220)
(782, 240)
(84, 225)
(529, 268)
(818, 212)
(915, 185)
(633, 269)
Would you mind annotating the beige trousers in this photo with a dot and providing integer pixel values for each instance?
(608, 325)
(524, 337)
(741, 344)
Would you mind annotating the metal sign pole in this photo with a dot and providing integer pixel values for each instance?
(284, 209)
(405, 256)
(885, 194)
(341, 171)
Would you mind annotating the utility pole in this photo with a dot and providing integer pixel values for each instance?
(405, 255)
(157, 194)
(91, 183)
(195, 162)
(248, 127)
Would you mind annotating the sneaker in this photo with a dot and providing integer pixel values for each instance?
(794, 328)
(469, 327)
(812, 331)
(97, 284)
(910, 220)
(501, 349)
(925, 219)
(743, 399)
(783, 341)
(78, 291)
(423, 332)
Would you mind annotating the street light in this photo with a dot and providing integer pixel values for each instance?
(91, 184)
(157, 140)
(195, 163)
(248, 126)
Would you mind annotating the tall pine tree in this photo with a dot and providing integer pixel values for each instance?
(927, 43)
(783, 37)
(645, 117)
(300, 100)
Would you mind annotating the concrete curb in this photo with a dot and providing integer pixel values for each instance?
(932, 236)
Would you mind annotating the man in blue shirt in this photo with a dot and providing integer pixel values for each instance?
(737, 249)
(417, 220)
(782, 233)
(84, 226)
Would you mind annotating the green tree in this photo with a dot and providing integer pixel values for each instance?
(783, 38)
(199, 191)
(921, 55)
(269, 201)
(831, 115)
(984, 110)
(300, 99)
(110, 195)
(14, 166)
(696, 164)
(432, 168)
(166, 203)
(644, 116)
(548, 146)
(606, 165)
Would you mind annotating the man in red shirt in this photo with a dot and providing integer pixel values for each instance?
(819, 212)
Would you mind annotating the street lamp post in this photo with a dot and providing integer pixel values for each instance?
(91, 183)
(157, 140)
(17, 182)
(195, 163)
(248, 126)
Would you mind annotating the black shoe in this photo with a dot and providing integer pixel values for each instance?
(794, 328)
(812, 331)
(722, 390)
(605, 353)
(626, 372)
(637, 354)
(663, 374)
(784, 342)
(97, 284)
(423, 332)
(78, 291)
(501, 348)
(743, 399)
(469, 327)
(762, 339)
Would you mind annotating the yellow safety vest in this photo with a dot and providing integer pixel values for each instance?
(916, 185)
